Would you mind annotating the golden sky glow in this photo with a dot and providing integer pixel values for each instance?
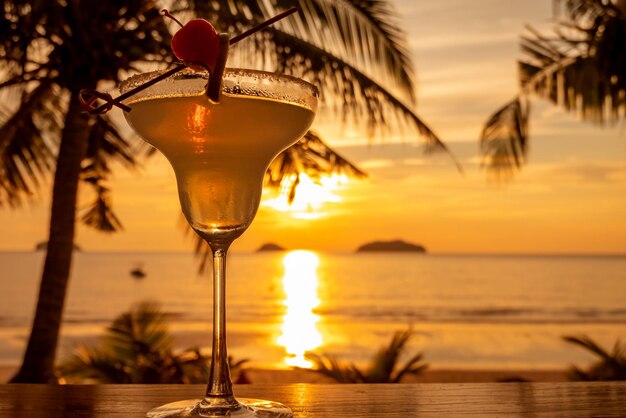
(570, 198)
(311, 196)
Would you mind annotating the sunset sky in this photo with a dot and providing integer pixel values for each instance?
(570, 198)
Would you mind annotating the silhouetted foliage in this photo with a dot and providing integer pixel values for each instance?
(581, 68)
(383, 368)
(610, 365)
(313, 157)
(138, 348)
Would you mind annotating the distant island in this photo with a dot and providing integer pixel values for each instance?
(42, 246)
(395, 245)
(270, 246)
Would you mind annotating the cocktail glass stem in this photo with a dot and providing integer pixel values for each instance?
(219, 392)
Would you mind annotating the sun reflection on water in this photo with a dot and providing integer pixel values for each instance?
(299, 328)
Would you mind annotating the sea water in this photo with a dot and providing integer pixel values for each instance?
(466, 311)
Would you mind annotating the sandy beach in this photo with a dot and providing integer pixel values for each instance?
(266, 376)
(261, 376)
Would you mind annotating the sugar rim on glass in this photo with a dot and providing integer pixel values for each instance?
(236, 82)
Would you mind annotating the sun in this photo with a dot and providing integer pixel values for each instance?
(310, 195)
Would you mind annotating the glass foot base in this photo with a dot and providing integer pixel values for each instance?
(245, 408)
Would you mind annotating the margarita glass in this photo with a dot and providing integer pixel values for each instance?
(220, 153)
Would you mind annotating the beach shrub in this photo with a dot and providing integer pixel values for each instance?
(138, 348)
(609, 366)
(383, 368)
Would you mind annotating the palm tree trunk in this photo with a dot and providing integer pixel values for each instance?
(38, 363)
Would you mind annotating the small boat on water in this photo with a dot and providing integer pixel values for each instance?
(138, 272)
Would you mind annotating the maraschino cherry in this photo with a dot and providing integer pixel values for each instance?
(197, 43)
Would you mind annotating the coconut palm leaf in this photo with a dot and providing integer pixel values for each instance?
(26, 151)
(369, 35)
(93, 364)
(331, 367)
(610, 366)
(582, 70)
(352, 93)
(236, 364)
(310, 156)
(504, 139)
(384, 362)
(383, 367)
(588, 344)
(582, 9)
(99, 214)
(143, 327)
(137, 349)
(19, 45)
(107, 146)
(411, 367)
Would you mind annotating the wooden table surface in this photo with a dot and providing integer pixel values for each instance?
(328, 400)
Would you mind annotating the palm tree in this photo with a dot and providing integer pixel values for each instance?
(49, 51)
(138, 348)
(352, 49)
(383, 367)
(610, 366)
(581, 68)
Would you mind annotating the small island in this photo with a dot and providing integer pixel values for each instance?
(269, 246)
(391, 246)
